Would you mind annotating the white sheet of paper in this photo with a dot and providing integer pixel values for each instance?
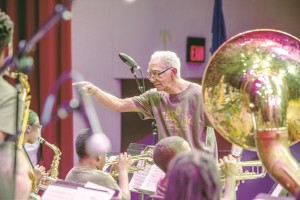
(99, 187)
(146, 179)
(90, 194)
(154, 175)
(55, 192)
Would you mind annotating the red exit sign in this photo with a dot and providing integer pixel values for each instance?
(195, 49)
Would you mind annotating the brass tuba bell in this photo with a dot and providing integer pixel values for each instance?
(251, 95)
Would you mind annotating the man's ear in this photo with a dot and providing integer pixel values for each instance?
(174, 70)
(98, 158)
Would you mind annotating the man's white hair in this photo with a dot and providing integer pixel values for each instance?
(168, 59)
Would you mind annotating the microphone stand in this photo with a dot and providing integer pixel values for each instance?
(23, 63)
(142, 90)
(61, 12)
(133, 71)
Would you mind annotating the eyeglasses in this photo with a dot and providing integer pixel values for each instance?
(155, 74)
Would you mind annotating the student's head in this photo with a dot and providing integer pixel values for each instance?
(6, 34)
(167, 148)
(23, 182)
(193, 176)
(81, 149)
(33, 127)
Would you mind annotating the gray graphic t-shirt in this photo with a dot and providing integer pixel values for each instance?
(178, 114)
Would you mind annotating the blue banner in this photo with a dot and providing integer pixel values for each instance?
(218, 27)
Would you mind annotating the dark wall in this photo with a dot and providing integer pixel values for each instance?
(134, 130)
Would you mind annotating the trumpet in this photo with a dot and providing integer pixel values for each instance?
(247, 170)
(139, 162)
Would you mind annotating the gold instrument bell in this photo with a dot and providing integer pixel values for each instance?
(251, 94)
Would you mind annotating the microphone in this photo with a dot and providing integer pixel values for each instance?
(129, 61)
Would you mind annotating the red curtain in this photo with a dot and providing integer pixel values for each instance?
(52, 58)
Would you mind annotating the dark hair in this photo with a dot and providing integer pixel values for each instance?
(80, 142)
(193, 176)
(166, 149)
(32, 117)
(6, 30)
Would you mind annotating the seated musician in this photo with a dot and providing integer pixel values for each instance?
(166, 149)
(33, 131)
(163, 153)
(195, 175)
(90, 168)
(31, 144)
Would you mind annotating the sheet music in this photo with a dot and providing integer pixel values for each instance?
(72, 191)
(90, 194)
(100, 187)
(139, 177)
(154, 175)
(55, 192)
(146, 180)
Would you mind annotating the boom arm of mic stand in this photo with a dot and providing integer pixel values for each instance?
(26, 47)
(141, 88)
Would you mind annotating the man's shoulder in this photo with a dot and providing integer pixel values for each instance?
(152, 93)
(95, 173)
(195, 85)
(194, 88)
(7, 90)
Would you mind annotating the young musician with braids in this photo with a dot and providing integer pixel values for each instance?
(90, 168)
(8, 93)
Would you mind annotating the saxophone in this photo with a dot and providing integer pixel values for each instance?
(53, 173)
(23, 92)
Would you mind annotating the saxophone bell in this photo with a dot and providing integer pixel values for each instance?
(52, 174)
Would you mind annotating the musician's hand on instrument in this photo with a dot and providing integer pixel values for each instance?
(229, 165)
(124, 161)
(39, 172)
(86, 87)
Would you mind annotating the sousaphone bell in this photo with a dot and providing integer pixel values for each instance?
(251, 95)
